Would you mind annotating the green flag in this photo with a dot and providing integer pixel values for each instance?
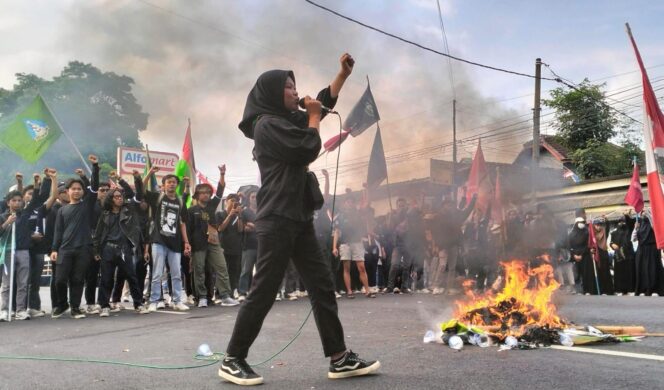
(32, 132)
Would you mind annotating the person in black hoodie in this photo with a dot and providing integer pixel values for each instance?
(623, 258)
(649, 269)
(286, 141)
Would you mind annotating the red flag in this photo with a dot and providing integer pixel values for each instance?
(653, 136)
(634, 195)
(479, 182)
(592, 242)
(335, 141)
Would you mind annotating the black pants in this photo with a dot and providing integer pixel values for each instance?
(234, 265)
(112, 258)
(281, 239)
(91, 281)
(400, 265)
(34, 280)
(72, 265)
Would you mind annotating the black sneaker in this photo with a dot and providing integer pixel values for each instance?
(58, 312)
(351, 365)
(77, 313)
(239, 372)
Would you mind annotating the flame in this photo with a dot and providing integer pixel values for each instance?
(524, 301)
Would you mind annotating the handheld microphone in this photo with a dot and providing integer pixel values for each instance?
(322, 108)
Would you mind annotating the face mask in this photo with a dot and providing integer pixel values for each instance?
(581, 225)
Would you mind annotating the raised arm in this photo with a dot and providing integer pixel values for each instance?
(146, 179)
(347, 62)
(53, 175)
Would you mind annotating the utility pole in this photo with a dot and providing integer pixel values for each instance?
(454, 153)
(536, 127)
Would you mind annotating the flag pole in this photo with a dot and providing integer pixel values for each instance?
(11, 273)
(85, 164)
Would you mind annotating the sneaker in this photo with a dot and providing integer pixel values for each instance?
(152, 307)
(58, 312)
(35, 313)
(191, 300)
(654, 295)
(292, 297)
(406, 291)
(371, 295)
(228, 301)
(180, 307)
(161, 305)
(350, 296)
(337, 295)
(167, 299)
(77, 313)
(22, 315)
(202, 302)
(141, 309)
(396, 291)
(92, 309)
(105, 312)
(116, 307)
(241, 298)
(239, 372)
(4, 316)
(278, 298)
(351, 365)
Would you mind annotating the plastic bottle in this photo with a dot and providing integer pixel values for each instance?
(511, 341)
(565, 339)
(429, 337)
(456, 343)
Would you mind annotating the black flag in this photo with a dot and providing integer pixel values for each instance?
(363, 115)
(377, 164)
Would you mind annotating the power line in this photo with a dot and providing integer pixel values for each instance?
(447, 49)
(422, 46)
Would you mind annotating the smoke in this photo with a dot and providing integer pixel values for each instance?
(199, 59)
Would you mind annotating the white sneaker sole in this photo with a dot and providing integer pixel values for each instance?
(349, 374)
(239, 381)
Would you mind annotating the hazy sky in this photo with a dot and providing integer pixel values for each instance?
(199, 59)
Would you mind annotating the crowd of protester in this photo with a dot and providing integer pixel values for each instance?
(111, 241)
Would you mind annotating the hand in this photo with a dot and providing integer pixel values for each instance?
(578, 258)
(10, 219)
(136, 173)
(186, 181)
(93, 159)
(146, 257)
(36, 177)
(113, 176)
(187, 249)
(222, 169)
(52, 173)
(54, 256)
(347, 63)
(36, 236)
(79, 172)
(335, 252)
(325, 173)
(153, 170)
(312, 106)
(97, 258)
(19, 177)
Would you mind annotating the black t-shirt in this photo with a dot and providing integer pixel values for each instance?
(167, 215)
(322, 223)
(249, 240)
(114, 231)
(352, 226)
(231, 238)
(197, 226)
(72, 224)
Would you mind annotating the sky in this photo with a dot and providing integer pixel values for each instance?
(198, 59)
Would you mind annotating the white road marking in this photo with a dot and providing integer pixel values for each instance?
(610, 353)
(171, 312)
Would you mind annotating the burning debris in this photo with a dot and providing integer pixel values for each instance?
(521, 315)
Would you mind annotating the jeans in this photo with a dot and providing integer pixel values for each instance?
(279, 240)
(113, 258)
(214, 259)
(248, 262)
(22, 267)
(161, 256)
(36, 269)
(401, 265)
(70, 275)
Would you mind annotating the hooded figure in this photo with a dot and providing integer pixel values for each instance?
(580, 253)
(283, 145)
(286, 141)
(649, 270)
(623, 258)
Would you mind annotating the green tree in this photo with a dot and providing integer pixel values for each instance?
(585, 124)
(97, 109)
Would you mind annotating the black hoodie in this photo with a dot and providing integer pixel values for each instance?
(283, 146)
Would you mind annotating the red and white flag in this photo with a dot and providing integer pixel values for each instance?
(634, 195)
(653, 135)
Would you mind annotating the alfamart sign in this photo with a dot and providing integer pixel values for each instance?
(130, 159)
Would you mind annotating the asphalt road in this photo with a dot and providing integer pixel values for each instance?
(389, 328)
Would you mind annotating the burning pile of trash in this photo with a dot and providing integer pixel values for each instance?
(520, 316)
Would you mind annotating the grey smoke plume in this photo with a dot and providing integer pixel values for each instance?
(199, 59)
